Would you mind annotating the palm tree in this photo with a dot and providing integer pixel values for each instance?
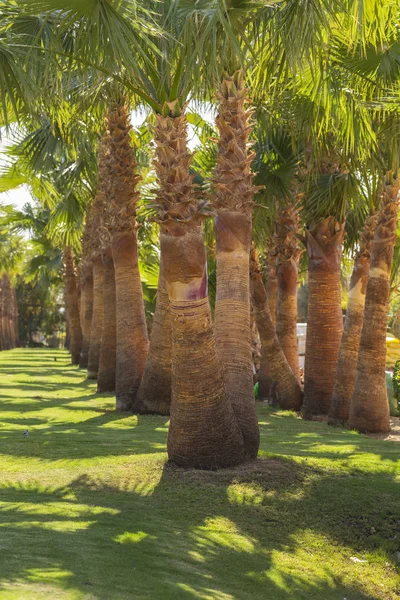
(369, 409)
(285, 390)
(348, 355)
(220, 26)
(108, 353)
(277, 226)
(131, 330)
(374, 69)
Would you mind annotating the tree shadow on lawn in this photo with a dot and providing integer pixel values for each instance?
(311, 439)
(242, 533)
(94, 437)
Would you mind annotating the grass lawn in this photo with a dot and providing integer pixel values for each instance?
(89, 509)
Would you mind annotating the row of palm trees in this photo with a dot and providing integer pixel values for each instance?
(315, 88)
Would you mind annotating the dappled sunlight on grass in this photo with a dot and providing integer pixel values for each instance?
(91, 510)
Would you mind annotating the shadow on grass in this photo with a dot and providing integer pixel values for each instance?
(244, 533)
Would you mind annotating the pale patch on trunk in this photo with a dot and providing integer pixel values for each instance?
(179, 291)
(356, 300)
(378, 272)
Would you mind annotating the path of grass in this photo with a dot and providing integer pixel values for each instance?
(90, 510)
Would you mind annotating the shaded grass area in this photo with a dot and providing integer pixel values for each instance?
(89, 508)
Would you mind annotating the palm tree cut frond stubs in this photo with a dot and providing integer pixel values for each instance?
(132, 337)
(203, 430)
(369, 409)
(233, 200)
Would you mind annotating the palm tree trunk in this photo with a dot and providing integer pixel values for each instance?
(86, 311)
(107, 363)
(369, 409)
(233, 224)
(264, 376)
(203, 431)
(271, 284)
(132, 336)
(325, 321)
(348, 356)
(6, 312)
(287, 268)
(2, 341)
(71, 301)
(154, 395)
(97, 319)
(12, 318)
(285, 390)
(16, 320)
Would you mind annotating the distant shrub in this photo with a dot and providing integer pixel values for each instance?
(396, 388)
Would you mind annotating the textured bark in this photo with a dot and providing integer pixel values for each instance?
(325, 321)
(271, 284)
(72, 306)
(234, 193)
(264, 376)
(347, 364)
(2, 342)
(107, 363)
(86, 311)
(203, 431)
(154, 395)
(288, 255)
(97, 319)
(369, 409)
(132, 336)
(16, 322)
(284, 389)
(7, 333)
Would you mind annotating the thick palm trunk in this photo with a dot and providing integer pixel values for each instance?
(86, 311)
(348, 356)
(154, 395)
(233, 201)
(132, 336)
(284, 389)
(107, 363)
(325, 321)
(369, 409)
(203, 432)
(71, 301)
(287, 269)
(97, 319)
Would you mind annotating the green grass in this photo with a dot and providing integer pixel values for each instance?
(90, 509)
